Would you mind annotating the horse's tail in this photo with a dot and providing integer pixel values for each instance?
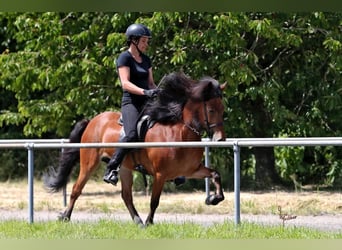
(55, 179)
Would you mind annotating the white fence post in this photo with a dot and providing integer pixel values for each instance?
(65, 187)
(30, 166)
(237, 174)
(207, 164)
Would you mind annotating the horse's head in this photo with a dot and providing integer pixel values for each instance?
(197, 104)
(208, 93)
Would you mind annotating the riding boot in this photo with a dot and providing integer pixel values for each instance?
(111, 173)
(179, 180)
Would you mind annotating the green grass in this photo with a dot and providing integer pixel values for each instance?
(105, 229)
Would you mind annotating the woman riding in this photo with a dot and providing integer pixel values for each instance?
(136, 77)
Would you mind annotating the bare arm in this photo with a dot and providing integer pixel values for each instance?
(127, 85)
(151, 83)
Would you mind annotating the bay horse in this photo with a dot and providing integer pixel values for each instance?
(183, 110)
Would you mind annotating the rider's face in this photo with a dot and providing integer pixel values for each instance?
(143, 43)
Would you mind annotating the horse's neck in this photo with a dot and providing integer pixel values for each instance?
(190, 120)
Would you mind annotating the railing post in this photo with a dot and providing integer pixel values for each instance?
(207, 164)
(30, 163)
(236, 149)
(65, 187)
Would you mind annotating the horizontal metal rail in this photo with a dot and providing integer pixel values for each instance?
(236, 143)
(241, 142)
(24, 141)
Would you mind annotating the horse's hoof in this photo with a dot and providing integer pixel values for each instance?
(137, 220)
(148, 224)
(63, 218)
(213, 199)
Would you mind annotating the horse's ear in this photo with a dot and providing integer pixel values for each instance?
(223, 85)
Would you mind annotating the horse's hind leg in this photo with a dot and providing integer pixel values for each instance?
(126, 177)
(89, 161)
(75, 193)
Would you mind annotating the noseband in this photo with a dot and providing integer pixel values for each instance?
(208, 126)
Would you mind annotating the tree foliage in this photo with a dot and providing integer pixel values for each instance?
(283, 71)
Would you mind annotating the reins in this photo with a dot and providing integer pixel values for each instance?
(192, 129)
(209, 126)
(206, 120)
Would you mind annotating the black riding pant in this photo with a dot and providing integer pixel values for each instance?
(130, 116)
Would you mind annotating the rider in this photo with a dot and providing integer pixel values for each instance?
(136, 77)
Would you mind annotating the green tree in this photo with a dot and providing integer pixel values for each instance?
(283, 71)
(63, 71)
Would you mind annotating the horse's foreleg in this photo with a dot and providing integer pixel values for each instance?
(218, 196)
(126, 177)
(157, 188)
(203, 172)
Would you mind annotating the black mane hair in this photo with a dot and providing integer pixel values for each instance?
(176, 90)
(206, 89)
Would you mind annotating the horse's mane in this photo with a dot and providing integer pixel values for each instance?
(168, 106)
(176, 90)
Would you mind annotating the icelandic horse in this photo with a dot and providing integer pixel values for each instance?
(183, 110)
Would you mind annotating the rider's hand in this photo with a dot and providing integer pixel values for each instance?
(151, 92)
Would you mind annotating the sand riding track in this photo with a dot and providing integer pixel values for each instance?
(315, 209)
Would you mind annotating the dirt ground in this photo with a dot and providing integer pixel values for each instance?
(318, 209)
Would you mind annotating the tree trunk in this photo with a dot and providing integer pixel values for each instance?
(266, 175)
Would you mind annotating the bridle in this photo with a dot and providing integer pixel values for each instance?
(208, 126)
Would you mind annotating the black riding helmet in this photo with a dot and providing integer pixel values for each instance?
(135, 31)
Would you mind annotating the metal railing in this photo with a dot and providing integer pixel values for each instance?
(236, 143)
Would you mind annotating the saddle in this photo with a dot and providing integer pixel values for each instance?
(143, 124)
